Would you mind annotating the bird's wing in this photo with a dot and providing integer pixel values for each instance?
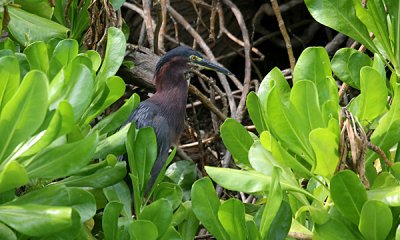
(147, 114)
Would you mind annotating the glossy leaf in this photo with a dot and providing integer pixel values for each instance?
(388, 195)
(159, 213)
(110, 220)
(341, 16)
(25, 112)
(189, 225)
(61, 123)
(143, 229)
(116, 119)
(281, 224)
(348, 194)
(335, 229)
(26, 27)
(115, 90)
(171, 234)
(58, 195)
(10, 77)
(275, 79)
(373, 98)
(142, 153)
(184, 174)
(356, 62)
(170, 192)
(314, 65)
(37, 56)
(375, 220)
(386, 133)
(274, 201)
(247, 181)
(7, 233)
(394, 32)
(115, 52)
(63, 54)
(325, 145)
(38, 7)
(38, 220)
(120, 193)
(232, 217)
(205, 204)
(318, 215)
(13, 175)
(237, 140)
(256, 112)
(114, 144)
(103, 177)
(340, 66)
(63, 160)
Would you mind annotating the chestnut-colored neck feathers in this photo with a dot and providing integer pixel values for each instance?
(171, 94)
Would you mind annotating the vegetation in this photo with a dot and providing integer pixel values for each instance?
(315, 168)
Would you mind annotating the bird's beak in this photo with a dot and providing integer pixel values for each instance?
(204, 63)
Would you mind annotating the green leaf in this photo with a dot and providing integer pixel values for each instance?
(375, 220)
(318, 214)
(372, 101)
(171, 234)
(247, 181)
(274, 201)
(314, 65)
(205, 204)
(170, 192)
(356, 62)
(184, 174)
(110, 220)
(13, 175)
(231, 215)
(273, 78)
(10, 77)
(94, 57)
(189, 224)
(159, 213)
(394, 20)
(375, 19)
(26, 27)
(37, 56)
(64, 160)
(120, 193)
(336, 228)
(115, 90)
(36, 220)
(141, 146)
(116, 119)
(304, 98)
(37, 7)
(285, 126)
(6, 232)
(280, 226)
(24, 113)
(388, 195)
(341, 16)
(340, 66)
(348, 194)
(237, 140)
(142, 229)
(256, 112)
(114, 144)
(102, 178)
(386, 133)
(61, 123)
(325, 145)
(63, 54)
(115, 52)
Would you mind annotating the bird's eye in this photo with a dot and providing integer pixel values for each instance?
(193, 58)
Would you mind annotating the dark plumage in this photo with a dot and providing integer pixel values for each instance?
(165, 110)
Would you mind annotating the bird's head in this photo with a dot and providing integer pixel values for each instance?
(184, 58)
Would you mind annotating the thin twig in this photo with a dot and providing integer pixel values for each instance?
(285, 35)
(380, 152)
(148, 20)
(206, 102)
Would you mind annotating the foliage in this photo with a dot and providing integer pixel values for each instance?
(49, 95)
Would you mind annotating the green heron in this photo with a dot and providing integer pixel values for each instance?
(165, 110)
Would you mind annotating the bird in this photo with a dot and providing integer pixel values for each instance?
(165, 110)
